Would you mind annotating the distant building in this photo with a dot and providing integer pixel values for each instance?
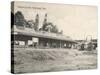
(87, 44)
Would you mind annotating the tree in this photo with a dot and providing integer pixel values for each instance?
(36, 24)
(30, 24)
(19, 19)
(50, 27)
(47, 27)
(54, 29)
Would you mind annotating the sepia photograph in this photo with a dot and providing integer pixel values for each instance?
(47, 37)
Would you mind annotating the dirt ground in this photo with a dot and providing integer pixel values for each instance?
(46, 60)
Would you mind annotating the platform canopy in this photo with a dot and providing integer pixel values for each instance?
(42, 34)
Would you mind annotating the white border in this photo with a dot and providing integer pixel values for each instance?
(5, 36)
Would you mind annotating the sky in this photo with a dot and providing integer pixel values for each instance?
(76, 21)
